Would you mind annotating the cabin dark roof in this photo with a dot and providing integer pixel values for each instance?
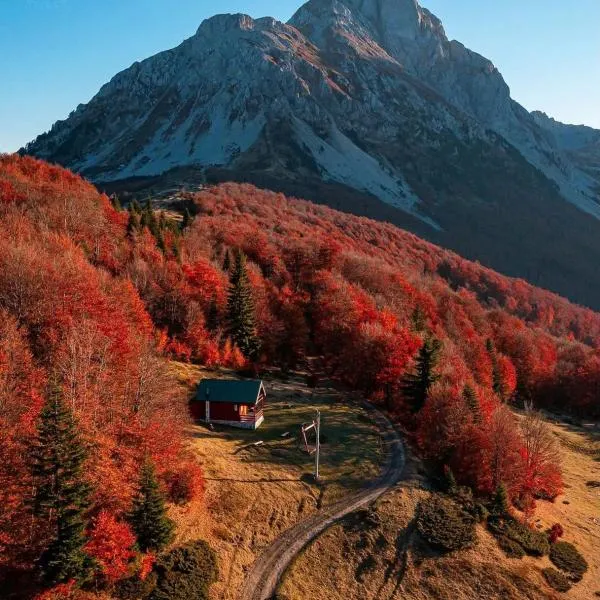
(228, 390)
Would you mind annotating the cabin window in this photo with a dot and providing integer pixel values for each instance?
(235, 407)
(243, 410)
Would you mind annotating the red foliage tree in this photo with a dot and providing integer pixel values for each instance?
(111, 546)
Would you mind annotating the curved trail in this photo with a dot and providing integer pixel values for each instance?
(262, 579)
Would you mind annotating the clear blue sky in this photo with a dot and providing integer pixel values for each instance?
(57, 53)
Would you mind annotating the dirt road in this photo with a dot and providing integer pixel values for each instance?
(262, 579)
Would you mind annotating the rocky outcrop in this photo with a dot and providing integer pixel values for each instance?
(366, 94)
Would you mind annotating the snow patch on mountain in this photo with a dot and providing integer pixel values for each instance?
(343, 161)
(410, 106)
(224, 140)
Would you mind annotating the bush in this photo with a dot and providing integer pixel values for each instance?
(534, 543)
(186, 572)
(135, 588)
(185, 484)
(556, 531)
(480, 512)
(444, 524)
(556, 580)
(500, 502)
(511, 548)
(567, 558)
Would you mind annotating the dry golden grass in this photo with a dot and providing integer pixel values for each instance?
(578, 509)
(385, 560)
(253, 493)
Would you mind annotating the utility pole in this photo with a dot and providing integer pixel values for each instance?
(316, 425)
(318, 429)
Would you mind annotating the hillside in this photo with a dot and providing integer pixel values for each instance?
(95, 299)
(367, 106)
(382, 558)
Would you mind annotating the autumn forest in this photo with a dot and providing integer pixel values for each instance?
(97, 298)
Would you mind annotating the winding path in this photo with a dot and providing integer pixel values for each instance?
(262, 579)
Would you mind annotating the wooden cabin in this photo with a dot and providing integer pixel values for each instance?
(230, 402)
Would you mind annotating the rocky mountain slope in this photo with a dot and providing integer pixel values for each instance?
(366, 105)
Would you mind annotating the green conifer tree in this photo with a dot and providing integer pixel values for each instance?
(116, 203)
(240, 310)
(472, 402)
(212, 318)
(497, 381)
(187, 220)
(148, 518)
(177, 248)
(416, 385)
(160, 241)
(133, 223)
(449, 480)
(227, 261)
(500, 502)
(61, 495)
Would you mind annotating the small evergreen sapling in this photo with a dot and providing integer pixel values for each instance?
(472, 402)
(501, 502)
(416, 385)
(148, 518)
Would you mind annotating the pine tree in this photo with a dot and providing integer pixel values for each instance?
(227, 261)
(187, 219)
(160, 241)
(416, 385)
(116, 203)
(61, 496)
(177, 248)
(500, 503)
(240, 310)
(449, 480)
(497, 382)
(472, 402)
(154, 530)
(148, 219)
(212, 318)
(133, 224)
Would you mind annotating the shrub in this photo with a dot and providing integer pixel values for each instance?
(184, 484)
(480, 512)
(534, 543)
(500, 503)
(567, 558)
(556, 580)
(186, 572)
(556, 531)
(135, 588)
(511, 548)
(444, 524)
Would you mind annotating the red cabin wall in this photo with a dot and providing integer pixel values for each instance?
(223, 411)
(198, 409)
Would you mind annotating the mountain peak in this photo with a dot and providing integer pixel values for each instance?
(225, 22)
(404, 19)
(403, 16)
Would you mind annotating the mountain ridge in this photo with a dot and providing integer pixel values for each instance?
(366, 94)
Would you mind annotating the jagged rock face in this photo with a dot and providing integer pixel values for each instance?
(367, 94)
(580, 143)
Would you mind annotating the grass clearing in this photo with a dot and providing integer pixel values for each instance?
(333, 566)
(256, 492)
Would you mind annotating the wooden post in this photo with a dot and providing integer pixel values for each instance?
(318, 428)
